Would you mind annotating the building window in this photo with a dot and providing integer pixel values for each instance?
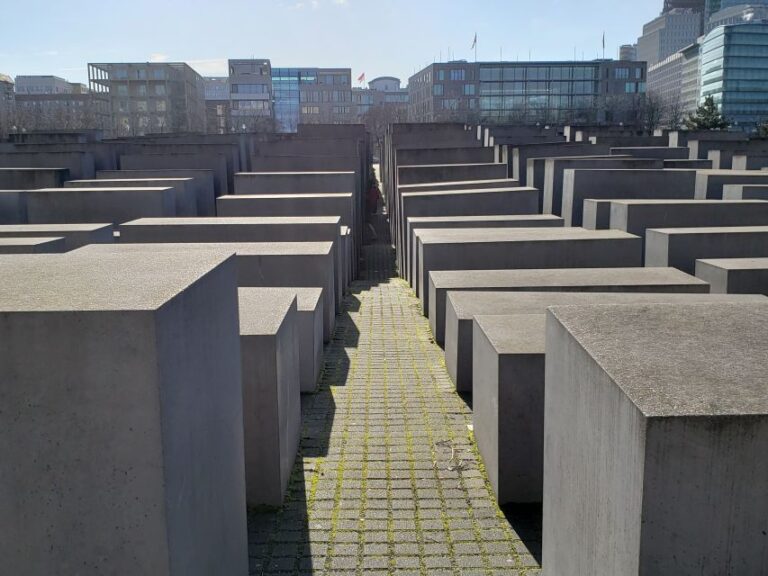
(441, 75)
(121, 74)
(161, 107)
(310, 110)
(141, 74)
(469, 89)
(450, 104)
(158, 74)
(122, 90)
(458, 75)
(141, 106)
(160, 90)
(638, 73)
(437, 90)
(622, 73)
(141, 89)
(630, 87)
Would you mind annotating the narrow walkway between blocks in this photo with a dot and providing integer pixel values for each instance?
(388, 480)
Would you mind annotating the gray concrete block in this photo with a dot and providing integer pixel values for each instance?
(260, 265)
(637, 216)
(656, 430)
(214, 162)
(78, 164)
(663, 152)
(13, 207)
(415, 225)
(428, 173)
(269, 341)
(204, 183)
(710, 183)
(554, 174)
(501, 249)
(459, 185)
(74, 235)
(309, 307)
(274, 229)
(553, 280)
(579, 185)
(294, 182)
(122, 415)
(462, 307)
(688, 164)
(681, 247)
(735, 275)
(264, 205)
(744, 192)
(98, 205)
(32, 178)
(32, 245)
(185, 194)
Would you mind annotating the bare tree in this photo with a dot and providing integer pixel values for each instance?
(675, 114)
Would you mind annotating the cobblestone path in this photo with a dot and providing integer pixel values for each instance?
(388, 480)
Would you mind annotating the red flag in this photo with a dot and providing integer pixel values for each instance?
(361, 79)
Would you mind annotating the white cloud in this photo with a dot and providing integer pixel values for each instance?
(157, 57)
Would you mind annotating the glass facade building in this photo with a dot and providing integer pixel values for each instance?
(285, 91)
(734, 71)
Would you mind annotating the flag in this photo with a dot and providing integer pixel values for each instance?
(361, 79)
(603, 41)
(474, 42)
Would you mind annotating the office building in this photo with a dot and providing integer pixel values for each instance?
(738, 13)
(7, 101)
(690, 81)
(43, 85)
(384, 95)
(152, 97)
(217, 111)
(628, 52)
(734, 71)
(670, 32)
(670, 5)
(604, 91)
(250, 95)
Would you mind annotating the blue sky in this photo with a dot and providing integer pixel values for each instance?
(378, 37)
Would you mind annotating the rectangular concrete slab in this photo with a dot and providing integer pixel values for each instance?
(309, 306)
(260, 264)
(32, 245)
(32, 178)
(710, 183)
(743, 192)
(656, 430)
(579, 185)
(98, 205)
(462, 307)
(489, 249)
(122, 411)
(13, 207)
(553, 280)
(735, 275)
(269, 342)
(294, 182)
(185, 195)
(74, 235)
(414, 227)
(681, 247)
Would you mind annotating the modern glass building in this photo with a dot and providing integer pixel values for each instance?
(285, 91)
(527, 92)
(734, 71)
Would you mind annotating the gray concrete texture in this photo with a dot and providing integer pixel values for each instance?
(526, 221)
(13, 207)
(462, 307)
(269, 343)
(131, 428)
(710, 183)
(98, 205)
(428, 173)
(260, 265)
(662, 152)
(582, 184)
(742, 192)
(459, 185)
(681, 247)
(185, 195)
(216, 163)
(735, 275)
(749, 161)
(250, 183)
(553, 280)
(554, 174)
(490, 249)
(32, 178)
(79, 164)
(74, 235)
(203, 183)
(32, 245)
(656, 430)
(520, 159)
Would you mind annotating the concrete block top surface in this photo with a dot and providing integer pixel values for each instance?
(291, 173)
(74, 190)
(737, 263)
(35, 169)
(444, 193)
(469, 304)
(515, 333)
(330, 195)
(453, 183)
(679, 360)
(239, 248)
(449, 165)
(413, 220)
(128, 180)
(263, 313)
(99, 281)
(235, 221)
(447, 279)
(28, 240)
(471, 235)
(683, 202)
(307, 299)
(712, 230)
(10, 229)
